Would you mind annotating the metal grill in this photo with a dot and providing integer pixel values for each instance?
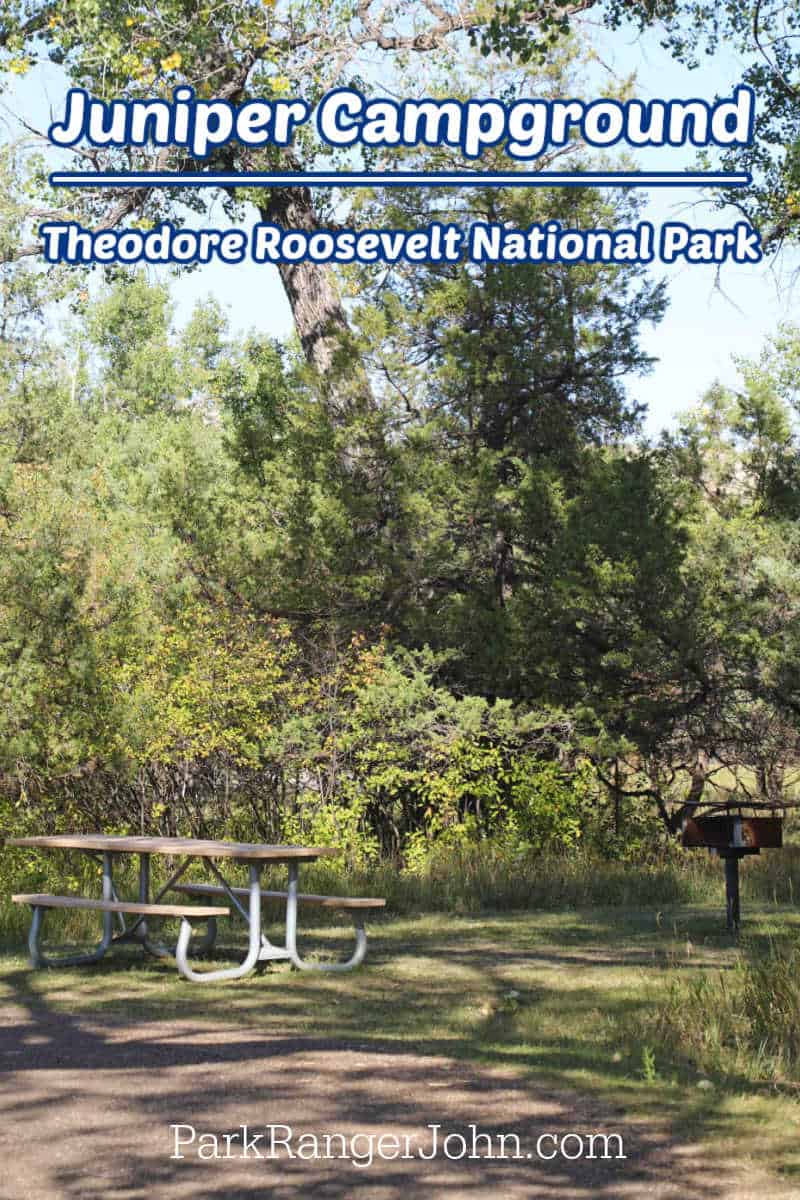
(732, 830)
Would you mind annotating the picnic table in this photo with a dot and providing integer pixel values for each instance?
(247, 901)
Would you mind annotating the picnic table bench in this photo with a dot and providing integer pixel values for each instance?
(40, 902)
(252, 854)
(356, 905)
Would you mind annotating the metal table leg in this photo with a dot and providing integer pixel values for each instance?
(254, 947)
(268, 951)
(155, 949)
(38, 959)
(358, 954)
(137, 930)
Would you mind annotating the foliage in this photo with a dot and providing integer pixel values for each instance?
(522, 806)
(179, 557)
(764, 38)
(446, 598)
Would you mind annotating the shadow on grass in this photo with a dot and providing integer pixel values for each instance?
(440, 1000)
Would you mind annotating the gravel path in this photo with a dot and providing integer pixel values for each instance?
(86, 1106)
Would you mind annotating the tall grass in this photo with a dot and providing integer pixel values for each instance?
(467, 880)
(742, 1023)
(480, 878)
(477, 880)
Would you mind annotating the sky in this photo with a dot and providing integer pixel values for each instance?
(713, 314)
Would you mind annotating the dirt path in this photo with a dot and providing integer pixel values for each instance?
(86, 1105)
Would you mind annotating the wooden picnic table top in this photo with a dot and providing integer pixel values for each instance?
(192, 847)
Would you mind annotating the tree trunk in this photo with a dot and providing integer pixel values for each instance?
(695, 793)
(325, 335)
(319, 315)
(311, 288)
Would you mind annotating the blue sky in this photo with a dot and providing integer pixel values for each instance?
(712, 315)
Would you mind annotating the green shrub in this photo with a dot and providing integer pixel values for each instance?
(332, 824)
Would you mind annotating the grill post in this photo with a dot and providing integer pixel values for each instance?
(732, 891)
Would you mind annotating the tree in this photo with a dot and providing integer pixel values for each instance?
(236, 50)
(736, 457)
(506, 382)
(764, 34)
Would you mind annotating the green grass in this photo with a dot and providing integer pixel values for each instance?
(473, 881)
(562, 998)
(742, 1022)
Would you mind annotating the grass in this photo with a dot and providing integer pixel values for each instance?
(563, 998)
(743, 1022)
(468, 882)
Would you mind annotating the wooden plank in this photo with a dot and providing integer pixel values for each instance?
(192, 847)
(43, 900)
(210, 889)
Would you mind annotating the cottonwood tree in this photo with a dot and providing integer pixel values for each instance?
(235, 50)
(765, 38)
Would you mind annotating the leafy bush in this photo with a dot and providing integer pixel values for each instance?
(522, 804)
(332, 824)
